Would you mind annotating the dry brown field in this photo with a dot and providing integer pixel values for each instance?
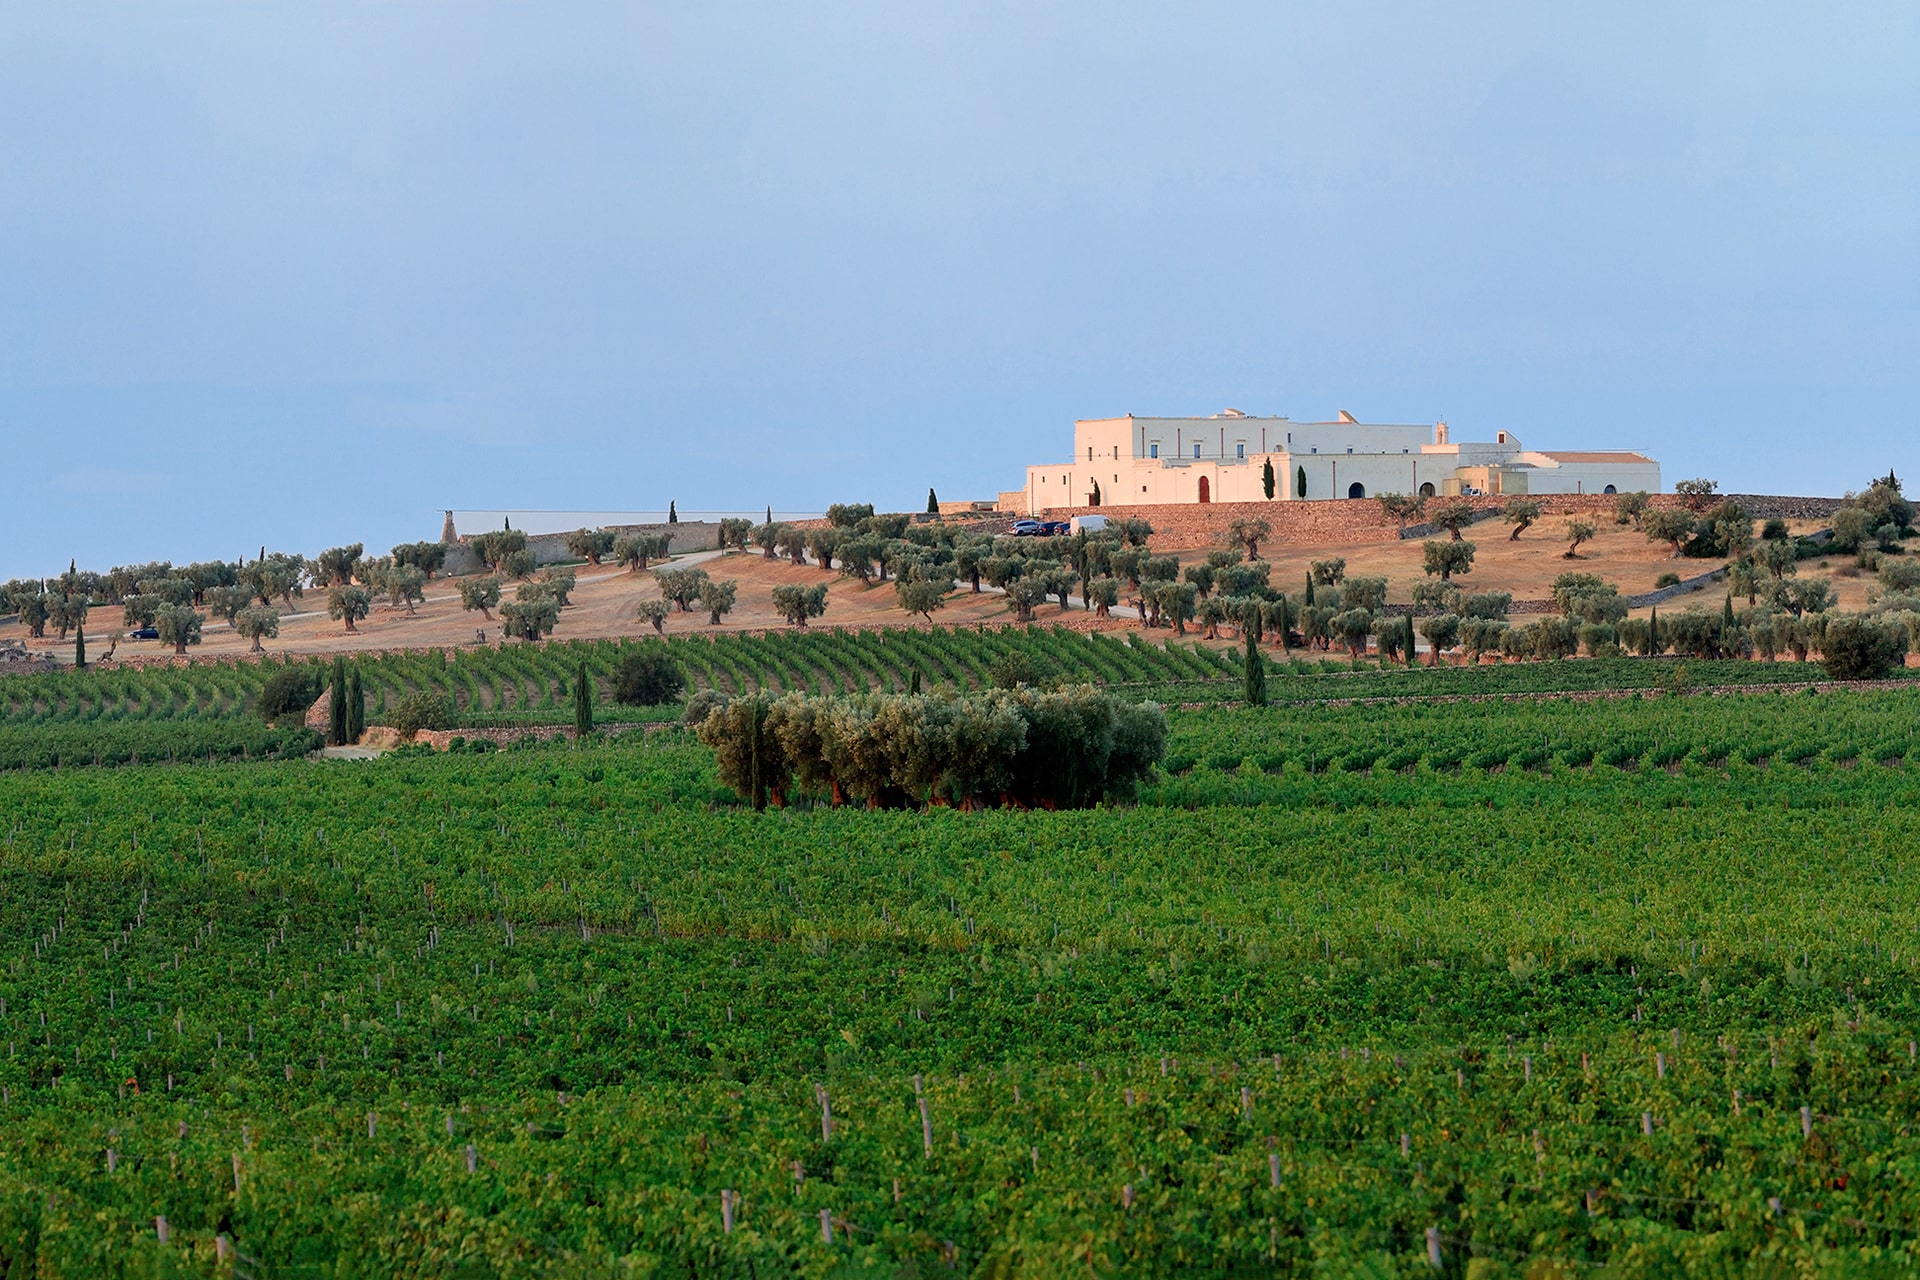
(604, 601)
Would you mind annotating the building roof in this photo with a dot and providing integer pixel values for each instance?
(1601, 455)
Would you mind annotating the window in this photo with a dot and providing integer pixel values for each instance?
(1356, 491)
(1196, 451)
(1315, 449)
(1116, 453)
(1349, 448)
(1289, 437)
(1503, 437)
(1240, 451)
(1609, 489)
(1153, 451)
(1063, 479)
(1089, 453)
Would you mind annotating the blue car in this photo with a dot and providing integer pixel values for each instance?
(144, 633)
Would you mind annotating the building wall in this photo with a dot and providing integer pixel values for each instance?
(1152, 461)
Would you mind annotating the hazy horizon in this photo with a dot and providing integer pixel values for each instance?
(305, 276)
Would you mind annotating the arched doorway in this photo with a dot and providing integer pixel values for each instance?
(1609, 489)
(1426, 490)
(1204, 493)
(1356, 490)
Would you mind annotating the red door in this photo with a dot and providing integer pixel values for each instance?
(1203, 490)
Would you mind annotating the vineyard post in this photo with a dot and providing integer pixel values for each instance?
(826, 1226)
(1433, 1248)
(160, 1227)
(726, 1210)
(926, 1126)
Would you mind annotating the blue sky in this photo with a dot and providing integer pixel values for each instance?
(307, 274)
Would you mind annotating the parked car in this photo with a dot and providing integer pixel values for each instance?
(144, 633)
(1056, 528)
(1028, 528)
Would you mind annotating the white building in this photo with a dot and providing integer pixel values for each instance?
(1130, 461)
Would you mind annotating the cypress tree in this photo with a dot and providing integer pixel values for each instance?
(337, 704)
(1299, 482)
(1653, 632)
(1309, 591)
(933, 503)
(80, 647)
(673, 512)
(356, 705)
(582, 702)
(769, 513)
(1409, 621)
(1266, 477)
(1256, 672)
(913, 681)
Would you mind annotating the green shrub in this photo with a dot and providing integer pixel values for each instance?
(1859, 648)
(648, 677)
(1013, 669)
(288, 691)
(421, 710)
(1667, 579)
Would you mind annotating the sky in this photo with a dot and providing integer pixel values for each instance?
(307, 274)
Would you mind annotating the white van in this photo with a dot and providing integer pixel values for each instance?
(1089, 524)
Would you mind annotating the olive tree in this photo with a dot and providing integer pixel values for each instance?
(1578, 531)
(717, 599)
(481, 593)
(682, 586)
(1631, 508)
(1249, 531)
(256, 623)
(654, 612)
(636, 549)
(919, 595)
(796, 603)
(348, 604)
(405, 584)
(1447, 558)
(1401, 508)
(1442, 631)
(138, 610)
(1452, 515)
(591, 545)
(178, 625)
(1667, 524)
(736, 532)
(532, 614)
(335, 566)
(1520, 513)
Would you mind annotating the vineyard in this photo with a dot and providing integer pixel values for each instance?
(208, 710)
(1551, 983)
